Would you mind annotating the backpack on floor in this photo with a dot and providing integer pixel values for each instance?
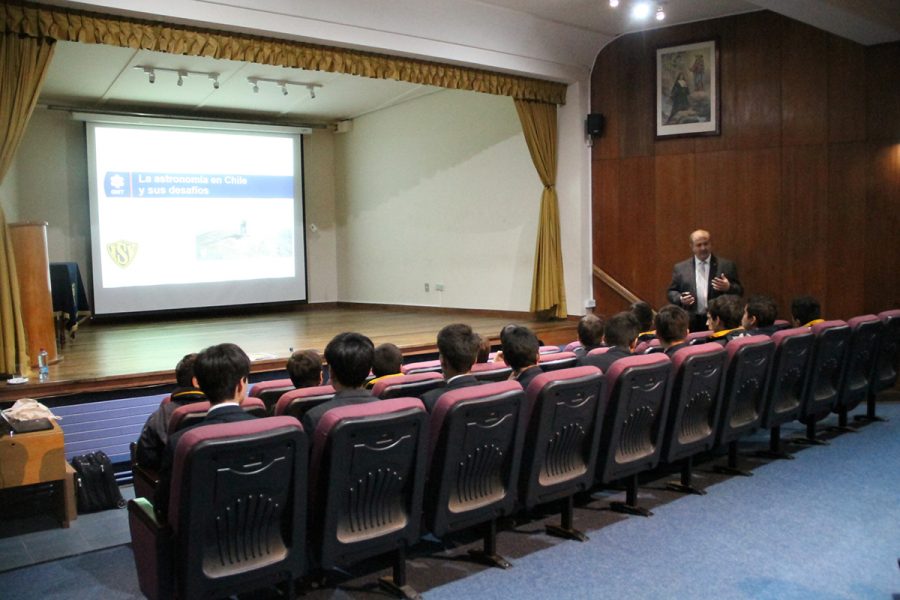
(95, 483)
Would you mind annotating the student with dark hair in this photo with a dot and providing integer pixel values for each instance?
(759, 315)
(457, 347)
(520, 349)
(221, 372)
(385, 363)
(621, 337)
(484, 349)
(590, 333)
(671, 324)
(724, 319)
(349, 356)
(304, 367)
(806, 311)
(154, 436)
(643, 312)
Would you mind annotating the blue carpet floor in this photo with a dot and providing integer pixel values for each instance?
(824, 526)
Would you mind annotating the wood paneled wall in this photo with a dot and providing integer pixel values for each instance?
(802, 187)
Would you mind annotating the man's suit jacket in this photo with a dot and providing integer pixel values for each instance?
(226, 414)
(684, 280)
(431, 397)
(344, 397)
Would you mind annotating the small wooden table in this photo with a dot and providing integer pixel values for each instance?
(39, 457)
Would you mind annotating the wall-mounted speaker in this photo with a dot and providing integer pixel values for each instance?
(594, 124)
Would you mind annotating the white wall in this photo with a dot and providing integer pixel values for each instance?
(8, 194)
(439, 190)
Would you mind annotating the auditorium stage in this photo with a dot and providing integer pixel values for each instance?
(110, 356)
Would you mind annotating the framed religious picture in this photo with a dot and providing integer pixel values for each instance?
(687, 90)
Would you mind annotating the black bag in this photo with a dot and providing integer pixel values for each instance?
(95, 483)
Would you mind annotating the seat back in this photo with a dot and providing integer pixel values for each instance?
(557, 360)
(475, 452)
(238, 507)
(367, 477)
(695, 400)
(571, 346)
(599, 351)
(270, 391)
(564, 412)
(637, 393)
(426, 366)
(548, 349)
(886, 366)
(859, 365)
(697, 337)
(190, 414)
(787, 381)
(747, 367)
(826, 368)
(295, 403)
(490, 371)
(401, 386)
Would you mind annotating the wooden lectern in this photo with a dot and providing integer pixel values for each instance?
(29, 242)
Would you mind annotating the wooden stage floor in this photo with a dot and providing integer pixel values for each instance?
(108, 356)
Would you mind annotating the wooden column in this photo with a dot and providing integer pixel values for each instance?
(29, 242)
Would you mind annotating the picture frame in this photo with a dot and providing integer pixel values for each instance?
(687, 90)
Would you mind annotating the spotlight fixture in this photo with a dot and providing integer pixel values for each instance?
(640, 11)
(182, 74)
(614, 3)
(312, 91)
(284, 91)
(215, 80)
(660, 13)
(151, 73)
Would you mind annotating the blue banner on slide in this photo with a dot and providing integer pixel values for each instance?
(125, 184)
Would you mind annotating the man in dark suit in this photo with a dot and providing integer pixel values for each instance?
(701, 278)
(221, 372)
(349, 356)
(621, 336)
(457, 348)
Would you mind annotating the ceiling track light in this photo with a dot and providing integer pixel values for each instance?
(151, 72)
(283, 84)
(641, 9)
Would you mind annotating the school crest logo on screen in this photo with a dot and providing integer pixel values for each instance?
(122, 252)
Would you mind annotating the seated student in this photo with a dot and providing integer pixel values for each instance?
(590, 334)
(484, 349)
(304, 367)
(520, 350)
(644, 315)
(153, 438)
(222, 373)
(671, 323)
(349, 356)
(805, 311)
(620, 335)
(723, 317)
(457, 348)
(759, 315)
(385, 363)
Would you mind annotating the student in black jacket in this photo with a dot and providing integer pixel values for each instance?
(457, 348)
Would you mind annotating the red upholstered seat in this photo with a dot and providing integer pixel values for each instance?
(295, 403)
(491, 371)
(425, 366)
(826, 369)
(270, 391)
(866, 332)
(414, 384)
(557, 360)
(191, 414)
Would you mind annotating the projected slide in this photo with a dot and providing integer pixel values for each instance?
(184, 208)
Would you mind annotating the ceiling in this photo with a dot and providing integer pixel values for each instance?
(104, 77)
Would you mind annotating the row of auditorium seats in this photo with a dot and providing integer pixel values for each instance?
(249, 507)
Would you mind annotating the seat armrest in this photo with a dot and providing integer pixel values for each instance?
(153, 551)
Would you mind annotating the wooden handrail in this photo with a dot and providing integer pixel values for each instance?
(615, 285)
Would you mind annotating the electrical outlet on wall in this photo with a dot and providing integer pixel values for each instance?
(439, 287)
(427, 287)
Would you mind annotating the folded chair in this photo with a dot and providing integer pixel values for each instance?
(491, 371)
(367, 477)
(270, 391)
(826, 370)
(787, 384)
(885, 375)
(637, 401)
(694, 404)
(474, 457)
(564, 415)
(296, 402)
(747, 367)
(859, 366)
(414, 384)
(237, 518)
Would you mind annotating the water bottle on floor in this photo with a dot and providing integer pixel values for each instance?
(43, 367)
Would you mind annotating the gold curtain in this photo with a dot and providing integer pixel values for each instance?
(93, 28)
(23, 65)
(548, 290)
